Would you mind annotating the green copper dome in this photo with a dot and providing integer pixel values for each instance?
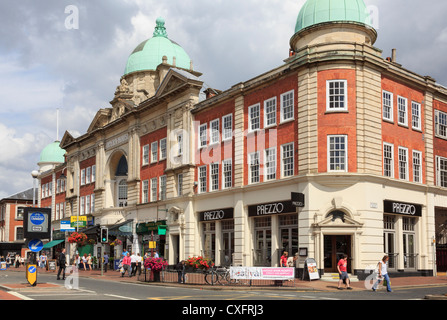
(52, 153)
(315, 12)
(149, 54)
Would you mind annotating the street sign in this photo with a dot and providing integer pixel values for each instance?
(35, 245)
(31, 274)
(36, 223)
(65, 226)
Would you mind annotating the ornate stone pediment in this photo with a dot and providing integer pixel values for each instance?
(100, 120)
(177, 80)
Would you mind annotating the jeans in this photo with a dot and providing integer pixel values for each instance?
(384, 277)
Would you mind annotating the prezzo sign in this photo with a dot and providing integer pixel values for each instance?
(219, 214)
(271, 208)
(408, 209)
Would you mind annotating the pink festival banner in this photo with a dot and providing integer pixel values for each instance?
(261, 273)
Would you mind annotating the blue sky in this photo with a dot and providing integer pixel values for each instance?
(45, 66)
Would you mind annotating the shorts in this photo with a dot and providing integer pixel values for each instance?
(343, 275)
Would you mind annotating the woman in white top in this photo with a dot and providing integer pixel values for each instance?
(383, 274)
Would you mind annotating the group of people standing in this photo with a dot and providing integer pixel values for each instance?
(131, 263)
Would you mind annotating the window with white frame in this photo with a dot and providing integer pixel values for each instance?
(82, 206)
(154, 186)
(163, 149)
(441, 171)
(163, 188)
(254, 167)
(62, 209)
(145, 192)
(254, 118)
(270, 164)
(227, 127)
(338, 153)
(403, 163)
(441, 124)
(92, 200)
(227, 173)
(337, 95)
(416, 115)
(203, 135)
(287, 160)
(180, 184)
(214, 176)
(180, 144)
(82, 177)
(388, 160)
(154, 151)
(145, 154)
(270, 112)
(87, 204)
(287, 103)
(387, 104)
(202, 179)
(214, 131)
(417, 161)
(88, 175)
(93, 174)
(402, 108)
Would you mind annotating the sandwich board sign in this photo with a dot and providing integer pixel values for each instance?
(310, 269)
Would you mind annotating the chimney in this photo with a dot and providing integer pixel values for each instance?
(393, 55)
(210, 92)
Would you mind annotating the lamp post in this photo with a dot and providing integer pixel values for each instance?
(34, 174)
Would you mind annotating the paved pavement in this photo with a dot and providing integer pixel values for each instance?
(297, 285)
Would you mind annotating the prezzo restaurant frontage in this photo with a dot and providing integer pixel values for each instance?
(243, 232)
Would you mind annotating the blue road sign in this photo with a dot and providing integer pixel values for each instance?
(32, 269)
(35, 245)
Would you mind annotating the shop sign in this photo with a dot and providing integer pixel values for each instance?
(78, 221)
(271, 208)
(297, 199)
(403, 208)
(219, 214)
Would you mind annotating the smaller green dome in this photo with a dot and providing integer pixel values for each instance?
(315, 12)
(149, 54)
(52, 153)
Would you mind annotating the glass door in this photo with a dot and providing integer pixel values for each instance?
(263, 251)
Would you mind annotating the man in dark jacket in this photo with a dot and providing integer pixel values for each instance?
(62, 262)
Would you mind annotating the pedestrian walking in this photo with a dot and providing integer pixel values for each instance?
(133, 263)
(84, 261)
(89, 262)
(342, 268)
(62, 261)
(106, 261)
(43, 260)
(383, 274)
(139, 263)
(126, 265)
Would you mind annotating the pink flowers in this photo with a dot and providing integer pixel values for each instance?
(155, 264)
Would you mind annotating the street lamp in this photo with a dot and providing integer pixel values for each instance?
(34, 174)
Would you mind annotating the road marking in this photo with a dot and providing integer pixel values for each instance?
(18, 295)
(121, 297)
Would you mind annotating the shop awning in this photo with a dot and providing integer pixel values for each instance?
(52, 244)
(123, 229)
